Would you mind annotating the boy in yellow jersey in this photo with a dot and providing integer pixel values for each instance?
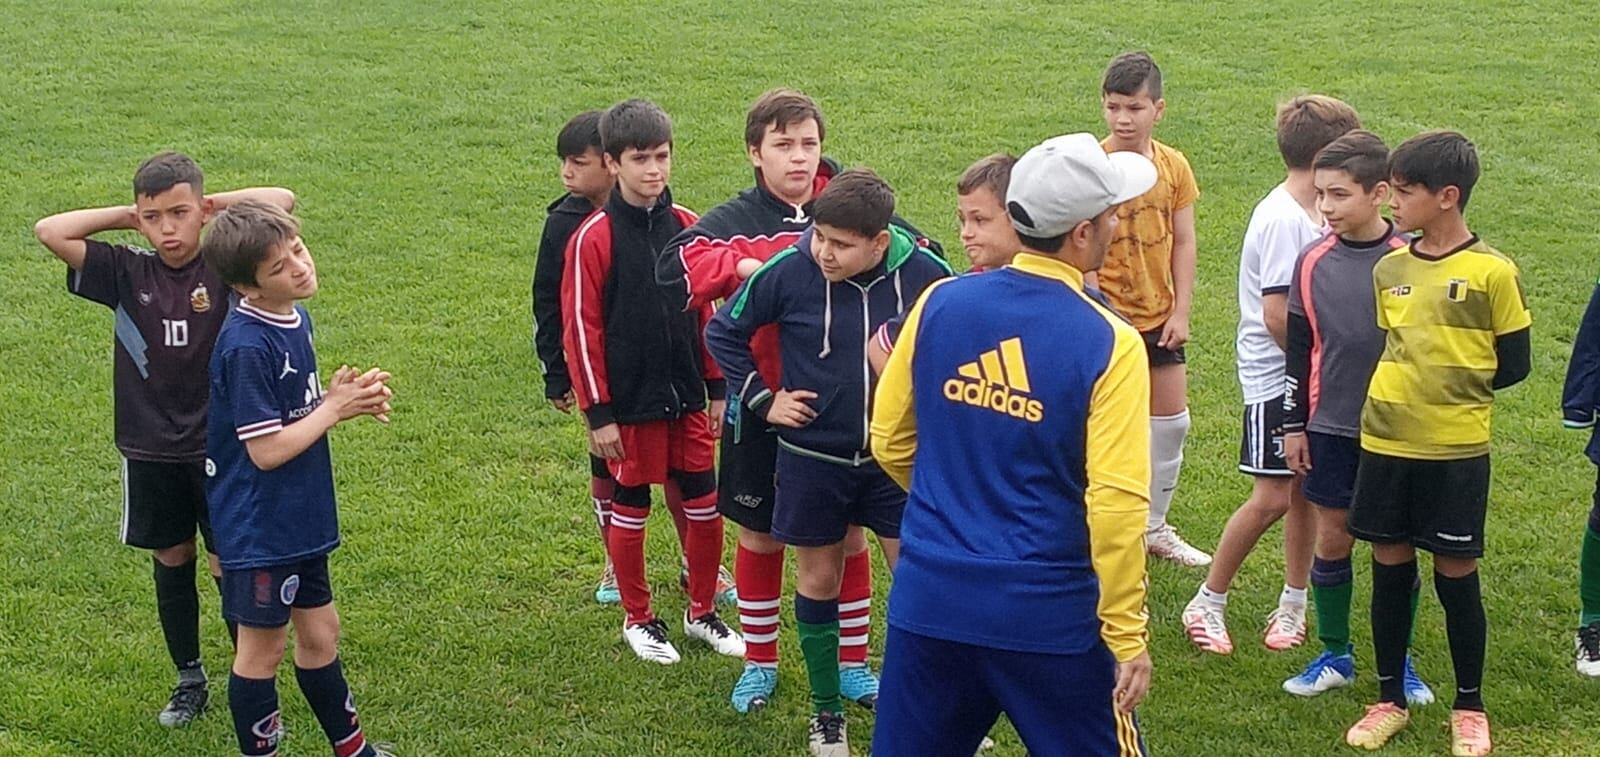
(1149, 278)
(1457, 330)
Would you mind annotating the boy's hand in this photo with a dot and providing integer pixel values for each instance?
(1175, 333)
(1133, 682)
(789, 408)
(606, 442)
(350, 394)
(565, 402)
(1297, 452)
(746, 268)
(714, 414)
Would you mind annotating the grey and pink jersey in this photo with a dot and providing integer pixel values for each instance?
(166, 321)
(1331, 289)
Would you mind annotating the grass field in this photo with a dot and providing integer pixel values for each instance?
(419, 138)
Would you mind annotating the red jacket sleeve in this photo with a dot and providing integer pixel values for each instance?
(583, 335)
(711, 265)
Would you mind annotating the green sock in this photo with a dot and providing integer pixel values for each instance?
(1333, 616)
(819, 643)
(1589, 577)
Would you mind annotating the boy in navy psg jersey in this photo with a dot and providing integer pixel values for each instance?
(169, 306)
(271, 477)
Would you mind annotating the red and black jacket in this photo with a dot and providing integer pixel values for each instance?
(633, 356)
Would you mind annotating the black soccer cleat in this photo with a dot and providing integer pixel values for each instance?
(188, 702)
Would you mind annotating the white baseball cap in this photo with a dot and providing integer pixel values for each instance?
(1068, 179)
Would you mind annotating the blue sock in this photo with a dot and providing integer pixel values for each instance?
(254, 704)
(329, 696)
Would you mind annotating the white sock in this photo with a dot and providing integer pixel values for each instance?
(1292, 596)
(1217, 599)
(1167, 433)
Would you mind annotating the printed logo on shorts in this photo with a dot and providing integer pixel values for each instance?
(998, 381)
(211, 468)
(1453, 537)
(747, 500)
(263, 588)
(291, 587)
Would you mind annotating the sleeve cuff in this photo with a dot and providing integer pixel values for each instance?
(1577, 418)
(600, 415)
(717, 389)
(556, 386)
(1294, 427)
(759, 401)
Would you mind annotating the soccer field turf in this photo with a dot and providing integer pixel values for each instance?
(420, 141)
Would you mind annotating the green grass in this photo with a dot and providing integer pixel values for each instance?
(419, 139)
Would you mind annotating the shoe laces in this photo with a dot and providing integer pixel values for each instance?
(1471, 725)
(1377, 714)
(830, 726)
(656, 630)
(714, 622)
(1213, 621)
(1589, 641)
(609, 577)
(1286, 620)
(187, 697)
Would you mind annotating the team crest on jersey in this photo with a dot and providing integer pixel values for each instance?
(998, 381)
(200, 299)
(1403, 290)
(291, 587)
(144, 298)
(1458, 290)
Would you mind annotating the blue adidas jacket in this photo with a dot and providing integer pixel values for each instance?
(823, 330)
(1580, 397)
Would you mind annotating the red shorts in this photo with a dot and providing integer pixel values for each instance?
(651, 449)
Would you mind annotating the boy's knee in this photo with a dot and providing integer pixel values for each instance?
(1454, 567)
(176, 555)
(855, 540)
(759, 542)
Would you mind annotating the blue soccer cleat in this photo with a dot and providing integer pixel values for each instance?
(606, 591)
(859, 684)
(1326, 673)
(754, 688)
(1417, 692)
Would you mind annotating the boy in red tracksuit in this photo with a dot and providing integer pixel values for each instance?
(643, 379)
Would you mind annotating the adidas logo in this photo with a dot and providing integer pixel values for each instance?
(998, 381)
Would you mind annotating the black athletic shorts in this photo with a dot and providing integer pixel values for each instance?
(1435, 505)
(1160, 355)
(262, 597)
(748, 468)
(1261, 442)
(163, 504)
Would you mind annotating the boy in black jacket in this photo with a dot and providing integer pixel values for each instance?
(847, 275)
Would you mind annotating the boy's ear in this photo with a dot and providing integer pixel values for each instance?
(208, 208)
(1161, 108)
(610, 163)
(880, 243)
(1450, 197)
(1380, 193)
(755, 155)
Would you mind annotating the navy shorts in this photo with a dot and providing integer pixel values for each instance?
(818, 501)
(940, 698)
(262, 597)
(1334, 462)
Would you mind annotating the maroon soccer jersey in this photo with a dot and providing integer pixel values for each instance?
(166, 322)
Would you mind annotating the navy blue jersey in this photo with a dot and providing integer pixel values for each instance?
(263, 378)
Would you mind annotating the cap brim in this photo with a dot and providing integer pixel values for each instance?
(1137, 172)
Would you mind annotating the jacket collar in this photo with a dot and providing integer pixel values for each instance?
(792, 213)
(1050, 268)
(620, 210)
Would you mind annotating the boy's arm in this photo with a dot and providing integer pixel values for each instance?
(588, 263)
(250, 373)
(547, 334)
(64, 233)
(1297, 379)
(894, 416)
(1580, 394)
(728, 338)
(716, 383)
(278, 196)
(1117, 500)
(1184, 261)
(1512, 321)
(1279, 249)
(700, 265)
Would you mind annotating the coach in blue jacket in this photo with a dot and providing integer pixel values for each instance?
(1020, 427)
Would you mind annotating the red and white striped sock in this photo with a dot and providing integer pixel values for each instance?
(703, 550)
(680, 522)
(855, 608)
(760, 579)
(626, 539)
(600, 491)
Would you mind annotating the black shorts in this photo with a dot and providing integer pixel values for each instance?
(1261, 443)
(1160, 355)
(163, 504)
(598, 468)
(1436, 505)
(262, 597)
(745, 474)
(1334, 461)
(818, 501)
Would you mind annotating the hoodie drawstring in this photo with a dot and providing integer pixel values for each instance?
(899, 299)
(827, 320)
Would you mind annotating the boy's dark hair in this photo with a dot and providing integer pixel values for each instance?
(1437, 159)
(1309, 123)
(240, 237)
(580, 135)
(856, 200)
(992, 173)
(163, 171)
(781, 108)
(1047, 245)
(636, 123)
(1359, 153)
(1130, 72)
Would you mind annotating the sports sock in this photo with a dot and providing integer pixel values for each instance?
(178, 607)
(1167, 433)
(703, 550)
(328, 694)
(1468, 629)
(1416, 601)
(254, 705)
(1589, 574)
(600, 491)
(1330, 591)
(233, 628)
(626, 540)
(760, 579)
(855, 608)
(818, 621)
(1217, 599)
(673, 495)
(1391, 626)
(1292, 596)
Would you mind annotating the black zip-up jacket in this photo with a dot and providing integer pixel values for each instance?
(564, 217)
(633, 358)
